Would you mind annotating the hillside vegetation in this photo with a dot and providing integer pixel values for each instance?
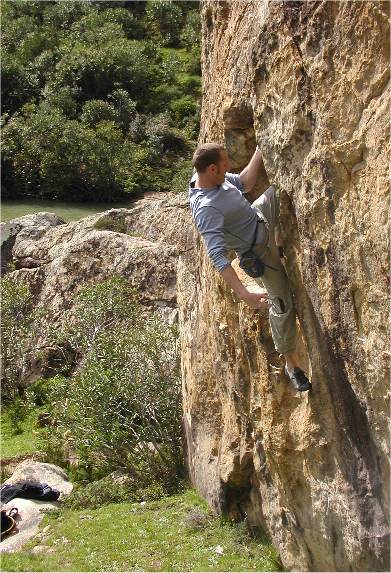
(100, 100)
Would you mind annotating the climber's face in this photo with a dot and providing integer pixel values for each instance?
(222, 167)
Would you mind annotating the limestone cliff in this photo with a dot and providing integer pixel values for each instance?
(310, 82)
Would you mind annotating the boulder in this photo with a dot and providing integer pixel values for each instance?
(141, 243)
(38, 223)
(31, 511)
(310, 82)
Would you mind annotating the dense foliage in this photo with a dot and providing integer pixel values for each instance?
(100, 100)
(121, 407)
(20, 325)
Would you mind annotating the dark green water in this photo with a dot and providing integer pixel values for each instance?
(12, 209)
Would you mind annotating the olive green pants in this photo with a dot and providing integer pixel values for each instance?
(282, 315)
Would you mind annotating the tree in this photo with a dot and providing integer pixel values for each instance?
(122, 408)
(164, 19)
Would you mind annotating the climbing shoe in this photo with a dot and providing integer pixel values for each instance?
(298, 379)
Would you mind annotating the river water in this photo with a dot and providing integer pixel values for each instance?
(11, 209)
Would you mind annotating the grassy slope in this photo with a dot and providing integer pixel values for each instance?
(25, 442)
(151, 537)
(156, 536)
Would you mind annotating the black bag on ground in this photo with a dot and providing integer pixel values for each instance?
(28, 490)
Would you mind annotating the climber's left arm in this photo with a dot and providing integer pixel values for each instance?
(250, 174)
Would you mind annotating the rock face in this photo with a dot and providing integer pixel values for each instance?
(37, 222)
(56, 259)
(309, 81)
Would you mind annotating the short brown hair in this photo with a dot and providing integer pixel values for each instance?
(205, 155)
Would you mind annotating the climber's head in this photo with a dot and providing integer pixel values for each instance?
(211, 162)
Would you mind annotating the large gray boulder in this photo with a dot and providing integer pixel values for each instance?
(57, 259)
(36, 223)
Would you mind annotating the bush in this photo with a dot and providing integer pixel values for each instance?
(162, 96)
(180, 182)
(194, 62)
(17, 330)
(64, 100)
(62, 15)
(191, 85)
(124, 106)
(79, 86)
(191, 127)
(122, 408)
(113, 490)
(112, 17)
(164, 20)
(19, 83)
(161, 136)
(183, 108)
(95, 111)
(191, 31)
(50, 156)
(117, 64)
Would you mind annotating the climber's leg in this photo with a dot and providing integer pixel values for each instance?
(282, 314)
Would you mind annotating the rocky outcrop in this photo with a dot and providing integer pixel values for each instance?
(56, 259)
(36, 222)
(309, 81)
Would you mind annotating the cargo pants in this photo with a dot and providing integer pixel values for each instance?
(282, 315)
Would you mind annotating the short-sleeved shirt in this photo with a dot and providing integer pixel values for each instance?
(224, 218)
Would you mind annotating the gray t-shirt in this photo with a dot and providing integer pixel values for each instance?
(224, 218)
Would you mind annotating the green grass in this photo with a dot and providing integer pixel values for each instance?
(23, 442)
(157, 536)
(181, 54)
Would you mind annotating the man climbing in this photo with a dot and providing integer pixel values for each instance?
(226, 220)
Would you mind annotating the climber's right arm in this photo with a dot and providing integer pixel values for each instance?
(210, 223)
(255, 300)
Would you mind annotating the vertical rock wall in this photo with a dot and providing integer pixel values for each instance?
(310, 82)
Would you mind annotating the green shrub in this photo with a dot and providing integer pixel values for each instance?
(15, 413)
(161, 136)
(191, 31)
(107, 224)
(38, 393)
(17, 330)
(46, 153)
(118, 63)
(183, 108)
(19, 83)
(162, 96)
(64, 99)
(191, 127)
(95, 111)
(194, 63)
(124, 106)
(164, 20)
(80, 80)
(115, 17)
(180, 182)
(122, 408)
(62, 15)
(107, 490)
(191, 85)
